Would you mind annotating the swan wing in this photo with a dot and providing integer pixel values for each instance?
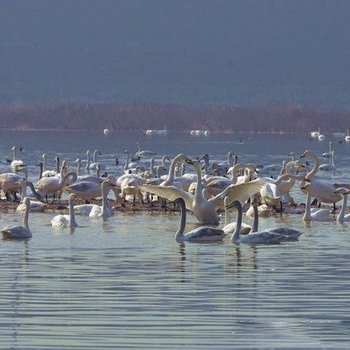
(60, 221)
(171, 193)
(240, 192)
(205, 234)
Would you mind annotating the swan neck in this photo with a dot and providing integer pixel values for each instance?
(71, 214)
(40, 171)
(180, 232)
(235, 236)
(171, 173)
(26, 216)
(307, 214)
(340, 217)
(227, 216)
(44, 161)
(315, 169)
(256, 219)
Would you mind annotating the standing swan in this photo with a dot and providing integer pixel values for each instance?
(200, 234)
(66, 220)
(19, 232)
(314, 214)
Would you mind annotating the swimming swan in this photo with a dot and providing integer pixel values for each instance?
(253, 238)
(19, 232)
(66, 220)
(341, 217)
(201, 234)
(104, 210)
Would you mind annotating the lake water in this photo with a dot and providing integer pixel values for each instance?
(124, 283)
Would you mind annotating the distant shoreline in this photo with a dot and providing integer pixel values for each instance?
(269, 119)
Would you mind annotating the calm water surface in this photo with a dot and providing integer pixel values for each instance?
(125, 283)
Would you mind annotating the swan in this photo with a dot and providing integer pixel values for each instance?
(202, 234)
(95, 163)
(66, 220)
(205, 209)
(142, 153)
(130, 188)
(134, 167)
(341, 217)
(253, 238)
(53, 184)
(330, 149)
(315, 134)
(263, 211)
(319, 189)
(45, 172)
(11, 183)
(230, 227)
(347, 137)
(19, 232)
(16, 164)
(330, 165)
(314, 214)
(105, 210)
(85, 190)
(35, 205)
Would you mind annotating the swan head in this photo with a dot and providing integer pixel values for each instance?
(306, 186)
(195, 163)
(307, 154)
(342, 190)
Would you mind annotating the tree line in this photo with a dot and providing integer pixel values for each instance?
(136, 117)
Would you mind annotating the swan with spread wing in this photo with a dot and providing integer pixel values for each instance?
(205, 210)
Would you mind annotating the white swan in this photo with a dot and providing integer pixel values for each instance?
(319, 189)
(314, 214)
(35, 205)
(330, 165)
(315, 134)
(85, 190)
(230, 227)
(105, 210)
(64, 220)
(95, 163)
(143, 153)
(205, 209)
(288, 234)
(17, 165)
(341, 217)
(253, 238)
(201, 234)
(46, 172)
(347, 137)
(19, 232)
(330, 149)
(134, 167)
(52, 185)
(11, 183)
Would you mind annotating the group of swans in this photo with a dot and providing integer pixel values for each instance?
(207, 234)
(205, 210)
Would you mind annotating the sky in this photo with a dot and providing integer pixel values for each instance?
(189, 52)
